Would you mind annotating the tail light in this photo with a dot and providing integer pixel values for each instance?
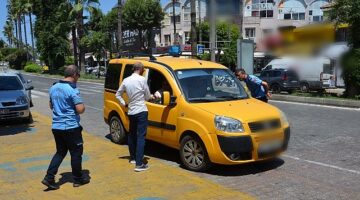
(284, 77)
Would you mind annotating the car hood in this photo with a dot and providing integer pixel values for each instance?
(246, 110)
(10, 95)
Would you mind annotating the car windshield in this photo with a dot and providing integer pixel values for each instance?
(208, 85)
(10, 83)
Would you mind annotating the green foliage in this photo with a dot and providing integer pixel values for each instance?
(69, 60)
(347, 11)
(142, 15)
(33, 68)
(351, 72)
(2, 44)
(17, 59)
(95, 42)
(51, 30)
(205, 56)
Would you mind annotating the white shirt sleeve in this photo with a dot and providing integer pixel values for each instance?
(147, 91)
(120, 91)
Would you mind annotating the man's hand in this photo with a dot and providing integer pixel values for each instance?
(268, 94)
(152, 98)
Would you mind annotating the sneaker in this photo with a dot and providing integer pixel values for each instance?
(50, 184)
(142, 167)
(132, 161)
(80, 182)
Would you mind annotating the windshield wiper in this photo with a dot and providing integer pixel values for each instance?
(231, 97)
(203, 100)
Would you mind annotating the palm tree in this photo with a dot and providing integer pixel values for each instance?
(78, 15)
(193, 28)
(119, 31)
(8, 31)
(28, 10)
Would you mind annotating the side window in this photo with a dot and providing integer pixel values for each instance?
(269, 67)
(128, 71)
(113, 76)
(264, 74)
(277, 74)
(157, 83)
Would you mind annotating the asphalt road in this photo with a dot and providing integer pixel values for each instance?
(322, 162)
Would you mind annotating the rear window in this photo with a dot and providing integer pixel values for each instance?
(291, 73)
(113, 76)
(275, 73)
(10, 83)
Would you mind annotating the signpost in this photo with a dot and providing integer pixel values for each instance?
(245, 55)
(200, 49)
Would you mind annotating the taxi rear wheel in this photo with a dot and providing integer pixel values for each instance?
(117, 131)
(193, 154)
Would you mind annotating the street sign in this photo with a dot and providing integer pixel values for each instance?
(175, 50)
(200, 49)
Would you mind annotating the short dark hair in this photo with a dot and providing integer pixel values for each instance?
(70, 70)
(138, 66)
(241, 70)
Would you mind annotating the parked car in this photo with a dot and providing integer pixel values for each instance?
(281, 80)
(14, 100)
(27, 84)
(206, 114)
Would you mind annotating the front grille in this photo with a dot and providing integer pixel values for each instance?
(9, 115)
(5, 104)
(264, 125)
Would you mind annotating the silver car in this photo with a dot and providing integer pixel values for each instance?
(14, 100)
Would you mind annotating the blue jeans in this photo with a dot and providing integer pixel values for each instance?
(67, 140)
(136, 137)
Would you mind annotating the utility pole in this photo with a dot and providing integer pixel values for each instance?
(241, 17)
(119, 28)
(174, 21)
(212, 30)
(193, 29)
(200, 32)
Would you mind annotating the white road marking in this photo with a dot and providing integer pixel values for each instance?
(91, 90)
(38, 93)
(34, 96)
(28, 74)
(323, 164)
(85, 92)
(317, 105)
(93, 108)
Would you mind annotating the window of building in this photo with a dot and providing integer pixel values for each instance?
(177, 19)
(250, 33)
(167, 21)
(292, 10)
(315, 11)
(187, 37)
(262, 8)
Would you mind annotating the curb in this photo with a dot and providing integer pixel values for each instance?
(316, 100)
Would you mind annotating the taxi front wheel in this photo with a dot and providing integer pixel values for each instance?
(117, 130)
(193, 154)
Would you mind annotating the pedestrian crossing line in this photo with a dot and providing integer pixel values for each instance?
(87, 93)
(39, 93)
(34, 96)
(92, 90)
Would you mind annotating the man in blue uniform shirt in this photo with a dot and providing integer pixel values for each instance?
(259, 89)
(66, 105)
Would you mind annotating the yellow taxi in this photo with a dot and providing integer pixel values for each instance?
(204, 112)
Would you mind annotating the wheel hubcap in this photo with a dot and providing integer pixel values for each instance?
(193, 154)
(115, 130)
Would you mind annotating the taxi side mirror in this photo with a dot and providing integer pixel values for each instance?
(167, 99)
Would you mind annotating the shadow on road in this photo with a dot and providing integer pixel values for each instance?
(15, 127)
(67, 177)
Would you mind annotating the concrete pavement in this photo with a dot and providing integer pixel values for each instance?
(26, 151)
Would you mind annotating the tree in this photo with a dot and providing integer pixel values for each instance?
(28, 10)
(77, 14)
(8, 31)
(51, 30)
(119, 26)
(347, 11)
(142, 16)
(193, 28)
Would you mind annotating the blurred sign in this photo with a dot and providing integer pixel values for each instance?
(200, 49)
(245, 55)
(175, 50)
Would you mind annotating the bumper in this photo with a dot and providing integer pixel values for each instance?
(248, 148)
(16, 112)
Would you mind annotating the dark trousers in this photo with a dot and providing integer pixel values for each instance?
(67, 140)
(136, 137)
(264, 99)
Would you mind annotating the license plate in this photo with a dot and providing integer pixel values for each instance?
(270, 146)
(4, 111)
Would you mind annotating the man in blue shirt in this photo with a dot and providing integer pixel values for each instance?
(66, 105)
(258, 88)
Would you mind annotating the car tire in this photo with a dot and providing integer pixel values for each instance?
(304, 87)
(276, 89)
(117, 131)
(193, 154)
(29, 120)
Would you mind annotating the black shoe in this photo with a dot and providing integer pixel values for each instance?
(80, 182)
(141, 168)
(50, 184)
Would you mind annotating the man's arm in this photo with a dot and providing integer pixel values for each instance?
(148, 95)
(80, 108)
(78, 102)
(266, 87)
(119, 93)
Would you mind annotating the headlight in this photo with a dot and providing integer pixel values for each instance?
(283, 118)
(21, 100)
(227, 124)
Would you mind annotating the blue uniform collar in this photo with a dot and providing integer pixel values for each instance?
(73, 85)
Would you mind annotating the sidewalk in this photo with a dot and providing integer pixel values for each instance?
(26, 151)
